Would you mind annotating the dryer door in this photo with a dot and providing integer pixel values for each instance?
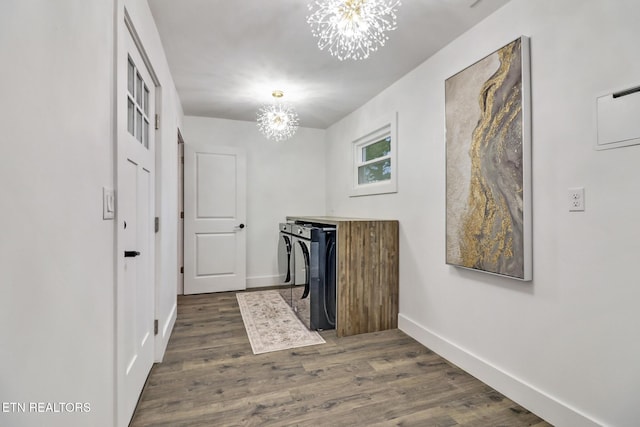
(301, 269)
(300, 290)
(330, 296)
(284, 259)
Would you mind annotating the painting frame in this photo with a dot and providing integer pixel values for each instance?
(488, 164)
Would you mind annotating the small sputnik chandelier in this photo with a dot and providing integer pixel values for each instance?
(277, 121)
(352, 28)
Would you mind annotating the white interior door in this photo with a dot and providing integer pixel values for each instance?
(214, 219)
(135, 234)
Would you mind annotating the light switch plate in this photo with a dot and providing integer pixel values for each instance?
(108, 203)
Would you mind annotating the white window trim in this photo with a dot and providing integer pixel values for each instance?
(381, 129)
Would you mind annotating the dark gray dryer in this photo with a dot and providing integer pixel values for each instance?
(314, 285)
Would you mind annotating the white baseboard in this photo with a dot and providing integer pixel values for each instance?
(262, 281)
(162, 339)
(538, 402)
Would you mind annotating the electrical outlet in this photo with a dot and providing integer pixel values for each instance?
(576, 199)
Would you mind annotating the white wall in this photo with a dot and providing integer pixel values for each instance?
(57, 265)
(565, 345)
(56, 252)
(283, 178)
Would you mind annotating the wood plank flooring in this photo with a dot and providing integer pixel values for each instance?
(210, 377)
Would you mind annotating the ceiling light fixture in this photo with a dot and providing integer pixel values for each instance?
(277, 121)
(352, 28)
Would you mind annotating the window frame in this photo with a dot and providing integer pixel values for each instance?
(138, 93)
(385, 128)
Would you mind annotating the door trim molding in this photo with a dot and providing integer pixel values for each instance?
(128, 22)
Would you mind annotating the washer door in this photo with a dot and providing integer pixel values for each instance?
(301, 270)
(284, 259)
(300, 291)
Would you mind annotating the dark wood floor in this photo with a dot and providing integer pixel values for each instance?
(210, 377)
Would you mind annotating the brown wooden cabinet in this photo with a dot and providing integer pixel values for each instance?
(367, 270)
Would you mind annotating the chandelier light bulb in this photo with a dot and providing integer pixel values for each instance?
(277, 121)
(352, 28)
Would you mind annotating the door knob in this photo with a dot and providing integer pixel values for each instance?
(131, 254)
(241, 226)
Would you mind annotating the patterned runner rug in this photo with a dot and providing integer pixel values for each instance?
(271, 324)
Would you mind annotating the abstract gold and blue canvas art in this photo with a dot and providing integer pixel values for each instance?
(488, 169)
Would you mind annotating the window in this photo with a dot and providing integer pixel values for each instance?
(374, 161)
(137, 105)
(375, 165)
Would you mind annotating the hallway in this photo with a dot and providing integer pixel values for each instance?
(210, 377)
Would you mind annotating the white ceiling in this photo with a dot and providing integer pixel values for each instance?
(226, 57)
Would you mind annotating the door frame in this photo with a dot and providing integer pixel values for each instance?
(126, 28)
(180, 212)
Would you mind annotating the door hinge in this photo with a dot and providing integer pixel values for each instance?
(182, 160)
(181, 215)
(157, 121)
(155, 327)
(157, 224)
(182, 270)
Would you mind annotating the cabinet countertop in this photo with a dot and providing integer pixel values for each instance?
(333, 220)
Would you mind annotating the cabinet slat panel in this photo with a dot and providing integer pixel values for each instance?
(367, 277)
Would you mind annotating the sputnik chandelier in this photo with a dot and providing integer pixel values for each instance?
(277, 121)
(352, 28)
